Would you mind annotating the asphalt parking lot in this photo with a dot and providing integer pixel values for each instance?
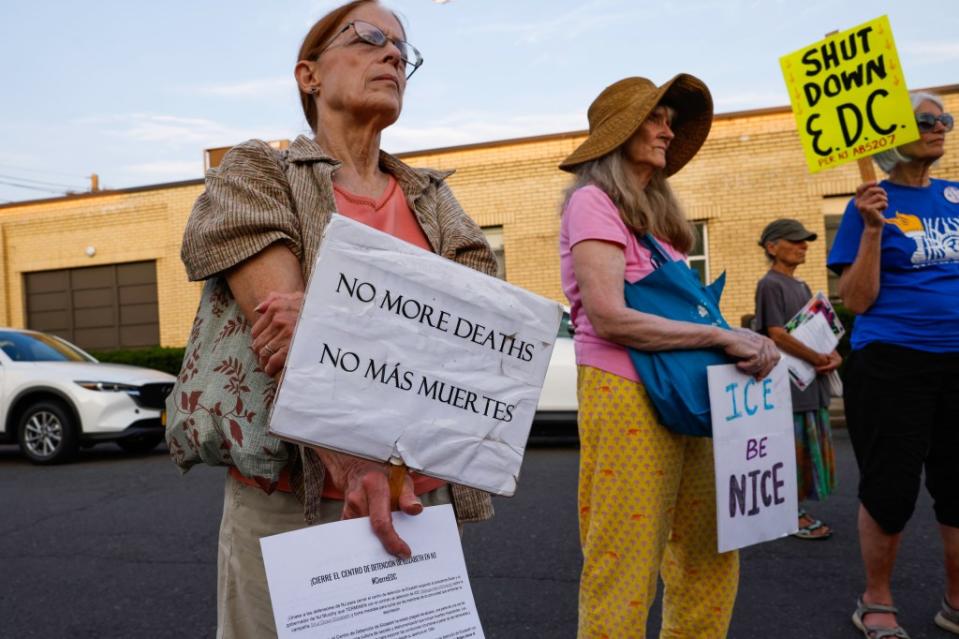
(121, 546)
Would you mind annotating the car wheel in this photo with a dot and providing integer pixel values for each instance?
(47, 433)
(140, 444)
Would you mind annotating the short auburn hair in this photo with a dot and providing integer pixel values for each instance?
(318, 37)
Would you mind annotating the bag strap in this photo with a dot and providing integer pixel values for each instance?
(657, 254)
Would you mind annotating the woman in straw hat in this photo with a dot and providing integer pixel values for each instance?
(646, 494)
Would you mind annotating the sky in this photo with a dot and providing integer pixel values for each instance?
(134, 91)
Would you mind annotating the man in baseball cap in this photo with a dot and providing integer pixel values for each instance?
(779, 296)
(786, 229)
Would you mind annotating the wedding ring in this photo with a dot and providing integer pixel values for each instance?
(269, 350)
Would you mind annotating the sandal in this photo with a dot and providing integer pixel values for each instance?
(809, 530)
(948, 617)
(874, 632)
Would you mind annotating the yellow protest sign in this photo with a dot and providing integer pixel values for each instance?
(849, 95)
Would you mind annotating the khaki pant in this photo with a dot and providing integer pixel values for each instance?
(243, 602)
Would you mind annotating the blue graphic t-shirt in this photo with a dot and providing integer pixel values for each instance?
(918, 302)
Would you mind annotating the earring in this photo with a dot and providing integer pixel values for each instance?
(313, 90)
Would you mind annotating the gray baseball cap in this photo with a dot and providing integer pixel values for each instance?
(786, 229)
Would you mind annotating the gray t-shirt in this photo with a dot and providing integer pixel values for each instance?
(778, 298)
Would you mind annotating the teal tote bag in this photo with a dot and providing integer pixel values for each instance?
(676, 380)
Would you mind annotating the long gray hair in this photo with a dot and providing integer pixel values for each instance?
(888, 160)
(654, 209)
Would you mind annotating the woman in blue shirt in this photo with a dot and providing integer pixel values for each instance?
(897, 253)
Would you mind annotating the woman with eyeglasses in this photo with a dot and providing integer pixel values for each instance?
(897, 254)
(257, 228)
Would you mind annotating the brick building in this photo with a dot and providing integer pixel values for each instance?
(103, 269)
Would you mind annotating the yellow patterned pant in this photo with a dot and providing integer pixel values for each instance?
(647, 506)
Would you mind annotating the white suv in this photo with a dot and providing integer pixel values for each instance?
(557, 403)
(55, 397)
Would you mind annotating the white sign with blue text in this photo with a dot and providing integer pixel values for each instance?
(755, 456)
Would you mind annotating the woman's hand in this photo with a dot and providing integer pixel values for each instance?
(859, 282)
(273, 330)
(366, 493)
(871, 200)
(757, 355)
(833, 360)
(821, 360)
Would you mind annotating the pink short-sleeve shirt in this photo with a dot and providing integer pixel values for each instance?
(591, 215)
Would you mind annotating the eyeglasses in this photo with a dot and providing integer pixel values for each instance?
(927, 121)
(373, 35)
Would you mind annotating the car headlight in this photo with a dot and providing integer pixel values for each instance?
(108, 386)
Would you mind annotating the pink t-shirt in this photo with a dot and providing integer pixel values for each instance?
(389, 213)
(591, 215)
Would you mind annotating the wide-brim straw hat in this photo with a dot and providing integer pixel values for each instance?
(619, 110)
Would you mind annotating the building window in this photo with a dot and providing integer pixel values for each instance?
(832, 209)
(494, 235)
(832, 227)
(698, 255)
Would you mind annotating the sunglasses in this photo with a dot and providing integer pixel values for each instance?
(927, 121)
(373, 35)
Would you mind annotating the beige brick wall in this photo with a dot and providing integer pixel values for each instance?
(122, 227)
(516, 186)
(750, 171)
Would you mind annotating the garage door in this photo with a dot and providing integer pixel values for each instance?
(98, 307)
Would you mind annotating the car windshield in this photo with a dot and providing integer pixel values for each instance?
(37, 347)
(565, 326)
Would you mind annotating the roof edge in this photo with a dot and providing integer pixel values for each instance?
(548, 137)
(104, 192)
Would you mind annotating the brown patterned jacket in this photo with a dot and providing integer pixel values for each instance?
(259, 196)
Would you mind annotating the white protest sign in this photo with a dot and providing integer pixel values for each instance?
(335, 581)
(755, 456)
(400, 353)
(817, 334)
